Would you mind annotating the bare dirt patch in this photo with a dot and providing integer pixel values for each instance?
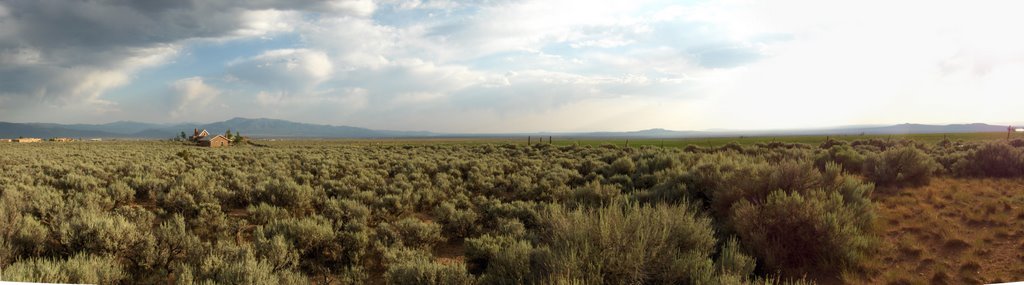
(953, 231)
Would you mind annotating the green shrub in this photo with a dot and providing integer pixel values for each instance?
(230, 264)
(596, 194)
(992, 160)
(31, 237)
(457, 223)
(847, 157)
(411, 232)
(499, 259)
(628, 244)
(795, 234)
(415, 267)
(80, 268)
(622, 165)
(900, 166)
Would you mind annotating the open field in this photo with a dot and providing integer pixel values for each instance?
(750, 140)
(468, 211)
(667, 142)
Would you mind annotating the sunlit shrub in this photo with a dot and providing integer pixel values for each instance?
(80, 268)
(794, 234)
(596, 194)
(601, 245)
(230, 264)
(847, 157)
(903, 166)
(414, 267)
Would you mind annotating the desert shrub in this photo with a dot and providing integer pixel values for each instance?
(622, 165)
(263, 213)
(101, 233)
(30, 237)
(457, 223)
(732, 146)
(992, 160)
(499, 259)
(81, 268)
(596, 194)
(277, 251)
(794, 234)
(174, 244)
(230, 264)
(415, 267)
(733, 262)
(902, 166)
(348, 211)
(949, 159)
(210, 222)
(120, 192)
(671, 188)
(726, 181)
(287, 194)
(847, 157)
(602, 245)
(509, 227)
(411, 232)
(314, 238)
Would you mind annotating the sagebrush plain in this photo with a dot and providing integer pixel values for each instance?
(833, 211)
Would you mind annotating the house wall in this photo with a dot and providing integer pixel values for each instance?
(216, 142)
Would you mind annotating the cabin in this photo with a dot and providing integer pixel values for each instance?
(214, 141)
(197, 135)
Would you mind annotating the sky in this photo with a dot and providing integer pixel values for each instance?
(514, 66)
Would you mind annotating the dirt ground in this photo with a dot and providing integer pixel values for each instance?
(953, 231)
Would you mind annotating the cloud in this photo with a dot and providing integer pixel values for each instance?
(470, 65)
(59, 52)
(287, 70)
(191, 95)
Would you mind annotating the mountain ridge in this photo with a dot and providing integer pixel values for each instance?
(277, 128)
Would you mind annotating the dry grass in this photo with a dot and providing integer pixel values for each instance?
(953, 231)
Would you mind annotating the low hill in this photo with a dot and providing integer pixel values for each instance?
(274, 128)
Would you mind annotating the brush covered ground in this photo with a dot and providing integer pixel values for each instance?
(463, 212)
(953, 231)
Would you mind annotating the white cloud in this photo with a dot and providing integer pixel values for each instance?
(363, 8)
(192, 96)
(458, 65)
(287, 70)
(259, 23)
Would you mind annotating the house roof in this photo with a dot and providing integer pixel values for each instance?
(210, 138)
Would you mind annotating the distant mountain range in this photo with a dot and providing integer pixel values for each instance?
(273, 128)
(260, 128)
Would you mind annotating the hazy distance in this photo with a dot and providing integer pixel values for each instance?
(514, 66)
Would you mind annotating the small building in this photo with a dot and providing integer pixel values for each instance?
(62, 139)
(214, 141)
(6, 140)
(27, 140)
(197, 135)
